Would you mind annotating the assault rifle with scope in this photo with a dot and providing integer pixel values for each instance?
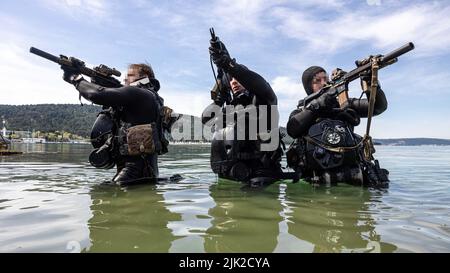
(338, 85)
(102, 74)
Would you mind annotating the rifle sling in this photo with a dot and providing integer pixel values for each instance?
(333, 149)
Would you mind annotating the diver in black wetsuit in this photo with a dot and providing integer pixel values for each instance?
(320, 122)
(134, 110)
(313, 79)
(243, 159)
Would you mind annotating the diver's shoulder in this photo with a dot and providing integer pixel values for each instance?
(300, 103)
(139, 90)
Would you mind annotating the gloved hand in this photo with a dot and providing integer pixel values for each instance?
(366, 77)
(322, 103)
(71, 75)
(219, 54)
(366, 81)
(350, 116)
(337, 73)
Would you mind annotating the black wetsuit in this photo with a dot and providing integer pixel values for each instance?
(241, 159)
(300, 120)
(346, 166)
(134, 106)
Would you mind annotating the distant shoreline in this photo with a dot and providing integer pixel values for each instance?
(412, 142)
(209, 143)
(72, 123)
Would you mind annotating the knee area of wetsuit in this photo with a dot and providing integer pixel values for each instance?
(137, 170)
(257, 182)
(375, 176)
(240, 171)
(349, 175)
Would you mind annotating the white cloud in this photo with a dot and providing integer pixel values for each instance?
(287, 87)
(185, 101)
(27, 80)
(289, 91)
(419, 81)
(91, 10)
(427, 25)
(242, 15)
(261, 34)
(30, 79)
(322, 4)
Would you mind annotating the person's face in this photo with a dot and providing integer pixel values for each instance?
(319, 80)
(236, 86)
(132, 76)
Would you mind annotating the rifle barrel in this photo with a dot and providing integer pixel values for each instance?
(44, 54)
(355, 73)
(399, 51)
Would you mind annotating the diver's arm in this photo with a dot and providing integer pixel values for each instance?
(105, 96)
(253, 82)
(361, 106)
(299, 122)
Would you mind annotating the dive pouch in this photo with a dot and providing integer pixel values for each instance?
(140, 139)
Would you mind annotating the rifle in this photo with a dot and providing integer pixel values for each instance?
(218, 93)
(102, 74)
(338, 86)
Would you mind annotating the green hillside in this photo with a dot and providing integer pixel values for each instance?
(76, 119)
(72, 118)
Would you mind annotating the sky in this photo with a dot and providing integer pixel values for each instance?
(277, 39)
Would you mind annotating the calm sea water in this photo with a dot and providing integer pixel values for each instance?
(51, 200)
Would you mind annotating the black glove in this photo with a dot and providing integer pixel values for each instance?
(322, 103)
(219, 54)
(337, 73)
(221, 98)
(366, 76)
(350, 116)
(71, 75)
(217, 45)
(366, 79)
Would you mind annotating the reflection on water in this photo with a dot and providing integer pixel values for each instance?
(244, 220)
(119, 225)
(333, 220)
(52, 200)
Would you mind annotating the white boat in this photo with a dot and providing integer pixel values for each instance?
(33, 140)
